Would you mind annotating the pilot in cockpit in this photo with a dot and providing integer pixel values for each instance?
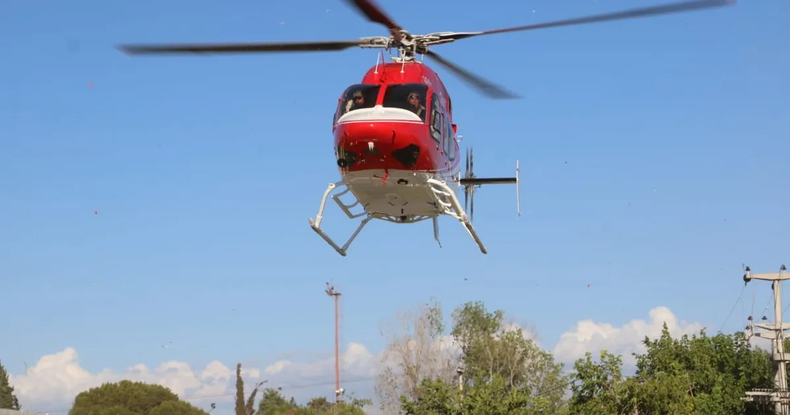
(356, 102)
(415, 105)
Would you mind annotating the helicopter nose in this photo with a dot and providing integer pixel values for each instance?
(377, 145)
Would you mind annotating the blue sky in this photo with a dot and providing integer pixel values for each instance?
(652, 158)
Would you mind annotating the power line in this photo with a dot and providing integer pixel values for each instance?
(733, 308)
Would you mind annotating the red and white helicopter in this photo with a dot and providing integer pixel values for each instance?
(395, 139)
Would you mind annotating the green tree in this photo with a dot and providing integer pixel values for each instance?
(130, 398)
(599, 388)
(319, 404)
(493, 396)
(245, 407)
(8, 399)
(700, 374)
(416, 349)
(273, 403)
(690, 375)
(505, 371)
(110, 410)
(176, 408)
(493, 349)
(350, 406)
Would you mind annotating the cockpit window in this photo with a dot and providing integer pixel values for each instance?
(356, 97)
(411, 97)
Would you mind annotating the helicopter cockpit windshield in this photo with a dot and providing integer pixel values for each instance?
(411, 97)
(357, 97)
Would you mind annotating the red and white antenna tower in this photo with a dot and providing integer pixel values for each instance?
(330, 291)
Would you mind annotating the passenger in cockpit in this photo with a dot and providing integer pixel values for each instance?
(415, 105)
(356, 102)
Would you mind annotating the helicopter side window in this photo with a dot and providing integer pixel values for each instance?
(436, 119)
(357, 97)
(409, 97)
(449, 140)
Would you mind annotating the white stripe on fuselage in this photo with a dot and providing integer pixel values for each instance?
(381, 114)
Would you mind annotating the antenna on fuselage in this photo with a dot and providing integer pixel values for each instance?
(379, 60)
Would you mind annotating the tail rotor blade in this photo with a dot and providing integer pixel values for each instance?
(466, 197)
(472, 205)
(472, 161)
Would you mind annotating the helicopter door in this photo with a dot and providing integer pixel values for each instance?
(449, 139)
(436, 119)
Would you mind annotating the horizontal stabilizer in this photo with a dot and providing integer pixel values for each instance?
(478, 181)
(470, 182)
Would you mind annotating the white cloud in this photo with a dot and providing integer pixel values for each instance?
(355, 360)
(589, 336)
(56, 379)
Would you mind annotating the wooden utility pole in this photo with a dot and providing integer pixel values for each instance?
(330, 291)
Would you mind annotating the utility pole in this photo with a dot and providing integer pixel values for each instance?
(779, 394)
(330, 291)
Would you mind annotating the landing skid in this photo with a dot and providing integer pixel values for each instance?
(452, 207)
(316, 224)
(447, 203)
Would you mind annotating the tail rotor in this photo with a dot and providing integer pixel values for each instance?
(470, 182)
(469, 189)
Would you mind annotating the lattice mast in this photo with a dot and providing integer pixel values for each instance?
(330, 291)
(779, 394)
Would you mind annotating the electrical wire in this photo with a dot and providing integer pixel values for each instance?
(733, 308)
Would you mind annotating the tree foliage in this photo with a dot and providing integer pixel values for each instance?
(689, 375)
(493, 396)
(273, 403)
(416, 349)
(492, 348)
(488, 365)
(245, 407)
(8, 399)
(131, 398)
(176, 408)
(504, 371)
(137, 398)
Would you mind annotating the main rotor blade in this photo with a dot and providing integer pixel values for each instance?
(240, 47)
(626, 14)
(476, 81)
(375, 14)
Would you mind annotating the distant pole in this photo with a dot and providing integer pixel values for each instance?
(330, 291)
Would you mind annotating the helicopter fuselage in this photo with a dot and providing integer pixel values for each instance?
(389, 144)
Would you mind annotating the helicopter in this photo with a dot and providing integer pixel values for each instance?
(396, 143)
